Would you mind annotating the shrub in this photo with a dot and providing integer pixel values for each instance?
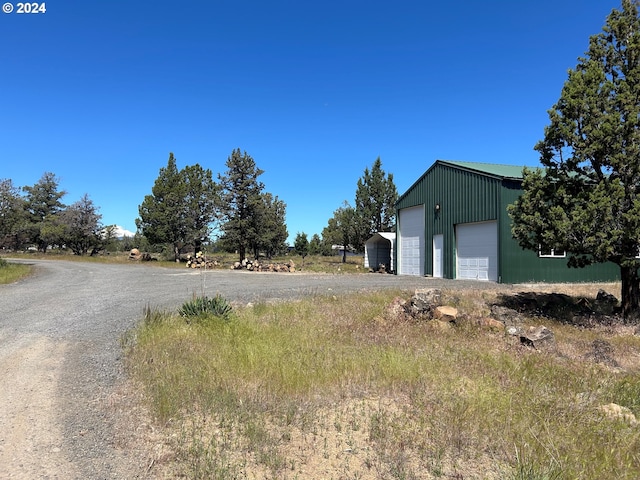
(205, 306)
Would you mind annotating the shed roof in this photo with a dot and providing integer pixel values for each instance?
(390, 236)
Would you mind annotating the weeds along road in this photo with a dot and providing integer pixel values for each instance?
(60, 356)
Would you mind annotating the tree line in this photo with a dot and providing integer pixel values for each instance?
(187, 209)
(34, 216)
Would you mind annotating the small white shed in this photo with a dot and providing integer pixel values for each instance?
(378, 250)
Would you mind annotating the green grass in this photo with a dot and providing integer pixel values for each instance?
(336, 384)
(12, 272)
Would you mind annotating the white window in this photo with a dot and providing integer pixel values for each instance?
(544, 252)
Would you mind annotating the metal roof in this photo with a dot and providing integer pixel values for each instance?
(493, 169)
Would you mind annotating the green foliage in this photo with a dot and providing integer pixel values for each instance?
(301, 244)
(585, 199)
(12, 216)
(181, 208)
(341, 229)
(376, 195)
(42, 203)
(315, 245)
(203, 307)
(254, 221)
(81, 230)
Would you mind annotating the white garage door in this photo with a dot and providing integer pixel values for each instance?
(477, 251)
(411, 243)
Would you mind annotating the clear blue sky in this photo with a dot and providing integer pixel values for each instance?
(99, 92)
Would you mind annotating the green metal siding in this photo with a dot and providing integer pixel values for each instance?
(463, 196)
(522, 266)
(468, 195)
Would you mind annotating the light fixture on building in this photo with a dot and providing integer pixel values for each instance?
(437, 208)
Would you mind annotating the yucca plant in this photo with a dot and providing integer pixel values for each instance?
(199, 307)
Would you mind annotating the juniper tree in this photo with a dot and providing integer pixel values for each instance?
(586, 198)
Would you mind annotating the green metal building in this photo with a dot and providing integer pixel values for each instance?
(453, 223)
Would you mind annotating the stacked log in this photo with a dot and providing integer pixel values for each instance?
(257, 266)
(200, 261)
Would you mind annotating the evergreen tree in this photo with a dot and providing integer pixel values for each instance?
(586, 199)
(181, 207)
(270, 226)
(341, 229)
(42, 203)
(376, 195)
(315, 245)
(12, 215)
(301, 245)
(202, 202)
(81, 230)
(242, 203)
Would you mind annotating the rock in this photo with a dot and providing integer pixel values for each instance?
(605, 302)
(506, 315)
(514, 331)
(537, 337)
(618, 412)
(396, 310)
(134, 254)
(445, 313)
(424, 300)
(491, 324)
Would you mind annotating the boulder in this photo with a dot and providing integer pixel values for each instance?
(537, 337)
(134, 254)
(424, 300)
(605, 302)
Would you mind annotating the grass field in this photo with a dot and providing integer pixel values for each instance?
(338, 388)
(12, 272)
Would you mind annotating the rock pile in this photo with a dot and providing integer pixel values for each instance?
(257, 266)
(424, 305)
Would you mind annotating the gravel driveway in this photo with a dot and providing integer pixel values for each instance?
(60, 356)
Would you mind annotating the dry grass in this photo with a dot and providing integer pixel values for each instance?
(338, 388)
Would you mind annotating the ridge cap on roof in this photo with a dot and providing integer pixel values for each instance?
(493, 169)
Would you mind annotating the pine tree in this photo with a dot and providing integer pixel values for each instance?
(42, 203)
(241, 202)
(376, 195)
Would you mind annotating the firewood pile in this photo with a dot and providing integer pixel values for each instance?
(257, 266)
(200, 261)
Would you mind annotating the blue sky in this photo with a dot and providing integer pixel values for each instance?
(100, 92)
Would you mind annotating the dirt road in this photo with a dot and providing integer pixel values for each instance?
(60, 356)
